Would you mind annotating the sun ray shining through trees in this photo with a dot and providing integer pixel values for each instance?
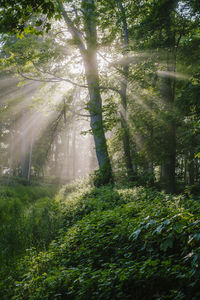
(129, 58)
(108, 91)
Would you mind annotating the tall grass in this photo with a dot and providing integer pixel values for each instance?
(29, 217)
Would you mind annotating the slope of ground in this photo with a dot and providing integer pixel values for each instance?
(113, 243)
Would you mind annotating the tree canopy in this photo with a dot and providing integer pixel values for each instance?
(135, 64)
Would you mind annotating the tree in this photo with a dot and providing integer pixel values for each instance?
(86, 42)
(161, 28)
(123, 90)
(148, 65)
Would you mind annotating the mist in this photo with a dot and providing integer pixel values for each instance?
(44, 138)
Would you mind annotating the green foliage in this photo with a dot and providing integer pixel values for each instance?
(15, 15)
(29, 217)
(116, 243)
(103, 176)
(113, 242)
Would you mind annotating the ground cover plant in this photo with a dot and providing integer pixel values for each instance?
(29, 217)
(114, 243)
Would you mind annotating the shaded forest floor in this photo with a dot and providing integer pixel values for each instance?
(113, 242)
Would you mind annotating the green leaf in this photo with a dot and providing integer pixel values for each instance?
(166, 244)
(136, 234)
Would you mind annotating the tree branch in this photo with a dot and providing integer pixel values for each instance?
(60, 79)
(36, 79)
(110, 64)
(76, 34)
(78, 114)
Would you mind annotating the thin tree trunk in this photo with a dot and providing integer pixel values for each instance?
(191, 168)
(168, 94)
(74, 152)
(196, 171)
(30, 155)
(24, 162)
(67, 155)
(185, 171)
(56, 156)
(169, 163)
(11, 153)
(181, 168)
(123, 94)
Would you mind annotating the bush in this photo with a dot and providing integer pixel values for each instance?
(103, 176)
(132, 243)
(29, 217)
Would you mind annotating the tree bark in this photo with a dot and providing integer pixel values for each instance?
(123, 94)
(169, 163)
(56, 154)
(67, 153)
(196, 171)
(185, 170)
(168, 95)
(88, 50)
(30, 155)
(191, 168)
(24, 146)
(11, 152)
(95, 103)
(74, 152)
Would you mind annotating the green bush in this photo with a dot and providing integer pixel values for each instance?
(132, 243)
(28, 217)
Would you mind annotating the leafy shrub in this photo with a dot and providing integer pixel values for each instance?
(28, 217)
(132, 243)
(103, 176)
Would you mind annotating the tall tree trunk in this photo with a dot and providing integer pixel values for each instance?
(30, 155)
(191, 167)
(56, 153)
(11, 152)
(169, 162)
(88, 51)
(168, 94)
(67, 172)
(181, 168)
(124, 85)
(95, 102)
(196, 171)
(185, 171)
(24, 146)
(74, 152)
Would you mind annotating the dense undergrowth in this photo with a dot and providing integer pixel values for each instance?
(29, 216)
(99, 243)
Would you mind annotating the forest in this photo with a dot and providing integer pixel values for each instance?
(100, 149)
